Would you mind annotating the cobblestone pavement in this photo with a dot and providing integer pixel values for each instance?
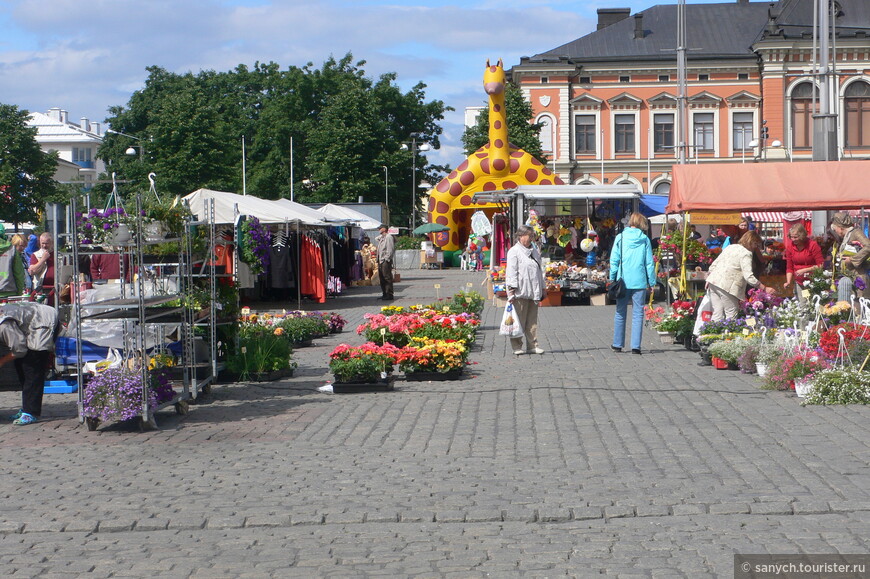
(578, 462)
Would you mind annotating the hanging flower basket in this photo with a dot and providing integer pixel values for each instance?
(803, 386)
(666, 337)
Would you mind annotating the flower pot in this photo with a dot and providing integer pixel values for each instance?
(382, 385)
(719, 363)
(666, 337)
(155, 231)
(761, 369)
(120, 236)
(802, 387)
(421, 376)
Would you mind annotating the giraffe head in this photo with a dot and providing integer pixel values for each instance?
(494, 78)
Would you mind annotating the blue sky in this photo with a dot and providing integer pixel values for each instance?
(87, 56)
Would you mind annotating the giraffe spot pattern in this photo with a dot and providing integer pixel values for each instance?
(498, 143)
(509, 184)
(531, 175)
(441, 220)
(515, 165)
(467, 178)
(456, 189)
(443, 186)
(489, 186)
(484, 166)
(462, 166)
(496, 108)
(497, 124)
(535, 161)
(499, 164)
(517, 154)
(465, 200)
(431, 206)
(442, 207)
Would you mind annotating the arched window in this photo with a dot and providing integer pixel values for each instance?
(802, 115)
(662, 188)
(546, 134)
(857, 104)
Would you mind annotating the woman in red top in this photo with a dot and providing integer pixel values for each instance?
(802, 255)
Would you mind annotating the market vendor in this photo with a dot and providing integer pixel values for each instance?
(852, 257)
(802, 256)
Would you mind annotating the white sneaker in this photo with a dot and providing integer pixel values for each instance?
(536, 351)
(519, 352)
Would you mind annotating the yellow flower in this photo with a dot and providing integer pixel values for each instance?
(279, 331)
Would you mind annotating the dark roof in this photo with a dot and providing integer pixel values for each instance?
(794, 19)
(725, 30)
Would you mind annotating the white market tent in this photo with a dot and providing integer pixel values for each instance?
(307, 215)
(225, 205)
(361, 219)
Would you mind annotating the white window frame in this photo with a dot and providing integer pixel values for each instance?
(634, 113)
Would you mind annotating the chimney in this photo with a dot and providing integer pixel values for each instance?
(85, 124)
(54, 113)
(96, 128)
(608, 16)
(743, 1)
(638, 25)
(64, 116)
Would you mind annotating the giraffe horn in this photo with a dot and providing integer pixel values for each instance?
(500, 64)
(487, 63)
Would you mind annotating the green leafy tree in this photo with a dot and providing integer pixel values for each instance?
(26, 173)
(344, 125)
(522, 132)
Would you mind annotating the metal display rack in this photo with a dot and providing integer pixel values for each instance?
(143, 313)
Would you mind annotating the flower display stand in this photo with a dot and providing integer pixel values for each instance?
(666, 337)
(383, 385)
(720, 364)
(454, 374)
(554, 298)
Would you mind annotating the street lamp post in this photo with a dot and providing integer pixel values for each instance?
(386, 185)
(414, 149)
(131, 150)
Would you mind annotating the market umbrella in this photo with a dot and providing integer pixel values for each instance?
(430, 228)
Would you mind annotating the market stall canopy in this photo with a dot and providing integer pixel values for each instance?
(306, 215)
(361, 219)
(265, 210)
(621, 191)
(770, 186)
(430, 228)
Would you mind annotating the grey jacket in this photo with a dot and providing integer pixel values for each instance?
(27, 326)
(386, 247)
(524, 275)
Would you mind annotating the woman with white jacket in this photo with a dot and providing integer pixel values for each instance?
(526, 287)
(731, 273)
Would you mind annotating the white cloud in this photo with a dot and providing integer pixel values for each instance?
(86, 59)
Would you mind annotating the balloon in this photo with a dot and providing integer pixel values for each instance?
(587, 245)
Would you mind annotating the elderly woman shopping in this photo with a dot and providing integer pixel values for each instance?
(524, 278)
(731, 273)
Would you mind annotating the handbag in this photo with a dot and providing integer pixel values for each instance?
(616, 289)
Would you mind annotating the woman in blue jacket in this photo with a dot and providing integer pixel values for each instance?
(631, 259)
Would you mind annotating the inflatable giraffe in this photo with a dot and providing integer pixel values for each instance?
(497, 165)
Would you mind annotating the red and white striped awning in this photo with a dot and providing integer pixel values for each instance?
(777, 216)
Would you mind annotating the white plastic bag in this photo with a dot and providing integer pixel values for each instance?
(510, 324)
(704, 314)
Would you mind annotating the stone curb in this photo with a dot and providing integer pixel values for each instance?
(514, 515)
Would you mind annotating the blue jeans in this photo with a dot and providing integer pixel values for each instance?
(637, 297)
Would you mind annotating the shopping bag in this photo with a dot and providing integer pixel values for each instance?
(510, 324)
(704, 313)
(616, 290)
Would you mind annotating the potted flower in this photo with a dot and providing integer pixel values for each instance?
(115, 394)
(725, 354)
(254, 245)
(302, 327)
(104, 227)
(335, 322)
(164, 218)
(431, 359)
(784, 371)
(847, 385)
(768, 353)
(361, 368)
(263, 352)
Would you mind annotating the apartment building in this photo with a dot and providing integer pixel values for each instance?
(609, 101)
(76, 144)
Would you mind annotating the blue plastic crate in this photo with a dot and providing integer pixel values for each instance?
(61, 386)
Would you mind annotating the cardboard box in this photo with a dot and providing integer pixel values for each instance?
(554, 298)
(598, 299)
